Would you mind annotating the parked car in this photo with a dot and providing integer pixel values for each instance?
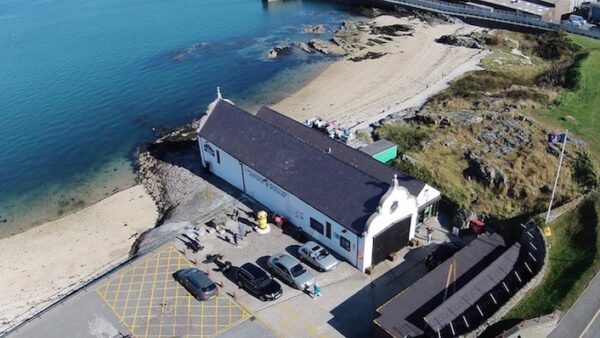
(318, 256)
(197, 283)
(256, 281)
(290, 270)
(577, 18)
(441, 254)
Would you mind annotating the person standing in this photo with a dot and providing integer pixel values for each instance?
(429, 234)
(317, 289)
(241, 230)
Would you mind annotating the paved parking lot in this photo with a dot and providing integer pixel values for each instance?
(151, 303)
(143, 300)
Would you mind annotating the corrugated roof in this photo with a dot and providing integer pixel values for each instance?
(403, 315)
(377, 147)
(474, 290)
(342, 152)
(340, 191)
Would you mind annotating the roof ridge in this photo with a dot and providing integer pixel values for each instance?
(325, 136)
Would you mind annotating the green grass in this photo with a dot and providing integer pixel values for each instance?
(572, 262)
(583, 104)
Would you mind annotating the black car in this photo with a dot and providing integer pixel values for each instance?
(257, 281)
(442, 253)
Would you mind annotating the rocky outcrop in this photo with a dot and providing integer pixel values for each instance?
(279, 51)
(303, 46)
(318, 29)
(469, 41)
(325, 47)
(489, 175)
(368, 56)
(462, 218)
(391, 30)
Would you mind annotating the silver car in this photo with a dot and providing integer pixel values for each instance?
(290, 270)
(318, 256)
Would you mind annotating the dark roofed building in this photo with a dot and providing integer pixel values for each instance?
(404, 315)
(338, 195)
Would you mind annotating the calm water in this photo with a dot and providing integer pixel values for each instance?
(84, 82)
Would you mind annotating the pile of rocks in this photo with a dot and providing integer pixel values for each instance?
(463, 40)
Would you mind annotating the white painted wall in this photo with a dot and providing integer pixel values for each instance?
(396, 205)
(427, 195)
(229, 168)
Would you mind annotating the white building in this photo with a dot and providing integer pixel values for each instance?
(356, 206)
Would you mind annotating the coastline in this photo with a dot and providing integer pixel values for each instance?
(414, 67)
(355, 94)
(62, 255)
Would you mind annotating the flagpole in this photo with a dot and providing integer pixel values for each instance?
(562, 153)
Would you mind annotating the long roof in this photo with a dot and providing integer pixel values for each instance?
(340, 151)
(336, 188)
(474, 290)
(403, 315)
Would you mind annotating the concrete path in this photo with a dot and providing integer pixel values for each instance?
(583, 319)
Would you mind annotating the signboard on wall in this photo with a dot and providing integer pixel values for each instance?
(209, 150)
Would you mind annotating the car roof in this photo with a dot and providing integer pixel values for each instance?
(287, 260)
(254, 270)
(199, 279)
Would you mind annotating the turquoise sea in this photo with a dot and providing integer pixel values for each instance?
(84, 83)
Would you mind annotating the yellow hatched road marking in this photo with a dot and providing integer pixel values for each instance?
(128, 292)
(176, 293)
(139, 296)
(118, 290)
(164, 299)
(217, 317)
(188, 316)
(152, 294)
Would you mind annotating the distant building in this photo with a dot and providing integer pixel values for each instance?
(381, 150)
(548, 10)
(358, 207)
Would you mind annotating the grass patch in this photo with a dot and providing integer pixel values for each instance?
(405, 136)
(583, 103)
(572, 262)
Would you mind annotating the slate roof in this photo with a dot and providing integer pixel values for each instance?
(474, 290)
(340, 151)
(377, 147)
(340, 191)
(403, 315)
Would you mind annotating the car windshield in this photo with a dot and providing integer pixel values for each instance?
(262, 281)
(209, 288)
(297, 270)
(322, 254)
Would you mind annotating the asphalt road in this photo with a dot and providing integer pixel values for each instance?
(583, 319)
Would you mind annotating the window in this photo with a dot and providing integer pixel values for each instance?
(328, 229)
(218, 157)
(345, 243)
(316, 225)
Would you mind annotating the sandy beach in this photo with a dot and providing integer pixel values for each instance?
(414, 68)
(61, 255)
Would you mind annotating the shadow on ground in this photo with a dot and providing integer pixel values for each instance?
(354, 317)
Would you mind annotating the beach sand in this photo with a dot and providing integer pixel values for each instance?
(415, 67)
(61, 255)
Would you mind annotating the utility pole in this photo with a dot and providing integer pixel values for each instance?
(562, 154)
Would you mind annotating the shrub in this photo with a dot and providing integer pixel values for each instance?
(584, 173)
(555, 46)
(406, 137)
